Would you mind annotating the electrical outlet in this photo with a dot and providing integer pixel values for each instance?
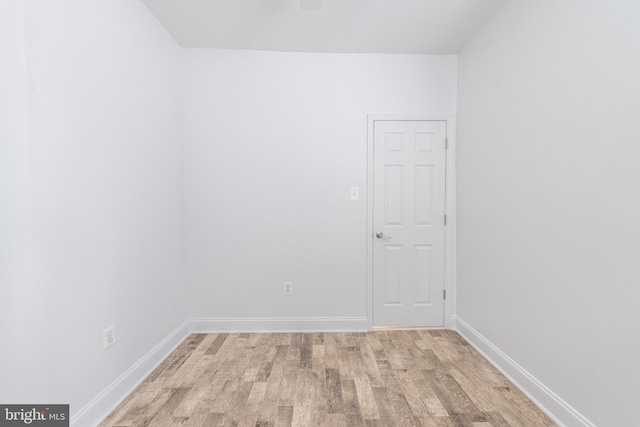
(287, 288)
(109, 336)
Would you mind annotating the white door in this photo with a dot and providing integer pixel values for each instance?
(408, 222)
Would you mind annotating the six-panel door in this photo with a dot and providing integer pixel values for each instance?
(408, 219)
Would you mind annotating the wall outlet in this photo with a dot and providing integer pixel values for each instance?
(287, 288)
(109, 336)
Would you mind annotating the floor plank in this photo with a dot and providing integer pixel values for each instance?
(386, 378)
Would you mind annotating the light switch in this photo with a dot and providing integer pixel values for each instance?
(355, 193)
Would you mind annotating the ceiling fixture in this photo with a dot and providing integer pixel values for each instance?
(310, 4)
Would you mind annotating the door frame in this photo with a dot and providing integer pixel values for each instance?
(450, 209)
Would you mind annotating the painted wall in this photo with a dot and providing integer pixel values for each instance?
(16, 251)
(273, 142)
(92, 178)
(548, 202)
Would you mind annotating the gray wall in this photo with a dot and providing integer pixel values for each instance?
(273, 142)
(548, 197)
(91, 181)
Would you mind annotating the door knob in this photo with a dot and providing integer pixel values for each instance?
(380, 235)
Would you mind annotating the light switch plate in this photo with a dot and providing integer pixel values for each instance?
(355, 193)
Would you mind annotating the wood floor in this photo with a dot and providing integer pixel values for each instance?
(390, 378)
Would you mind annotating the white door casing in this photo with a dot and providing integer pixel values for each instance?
(409, 174)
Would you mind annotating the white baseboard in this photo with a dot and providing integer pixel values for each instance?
(103, 404)
(559, 410)
(275, 324)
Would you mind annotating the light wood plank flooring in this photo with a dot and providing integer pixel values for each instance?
(390, 378)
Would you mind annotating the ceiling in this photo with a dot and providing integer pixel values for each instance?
(341, 26)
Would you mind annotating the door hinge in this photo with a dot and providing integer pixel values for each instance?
(445, 219)
(444, 294)
(446, 143)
